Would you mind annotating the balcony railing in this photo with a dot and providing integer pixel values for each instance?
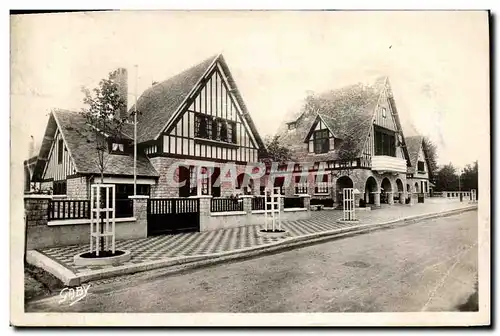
(382, 163)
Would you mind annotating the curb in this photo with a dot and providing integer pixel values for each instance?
(187, 262)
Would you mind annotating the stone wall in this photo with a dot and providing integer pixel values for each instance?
(77, 188)
(40, 233)
(36, 210)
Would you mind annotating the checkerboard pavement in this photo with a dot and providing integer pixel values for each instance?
(231, 239)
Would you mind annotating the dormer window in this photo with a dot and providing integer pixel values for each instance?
(384, 112)
(321, 141)
(421, 166)
(292, 125)
(117, 147)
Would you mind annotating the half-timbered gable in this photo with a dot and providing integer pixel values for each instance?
(213, 125)
(198, 114)
(320, 138)
(60, 164)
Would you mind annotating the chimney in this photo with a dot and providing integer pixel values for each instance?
(121, 79)
(31, 148)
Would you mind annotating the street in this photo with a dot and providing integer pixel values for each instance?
(426, 266)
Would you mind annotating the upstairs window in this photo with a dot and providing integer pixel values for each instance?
(385, 143)
(384, 112)
(60, 147)
(208, 127)
(117, 147)
(421, 166)
(321, 142)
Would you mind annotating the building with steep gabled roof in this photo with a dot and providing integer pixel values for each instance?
(352, 137)
(194, 119)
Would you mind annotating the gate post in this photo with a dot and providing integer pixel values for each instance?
(247, 206)
(204, 209)
(141, 213)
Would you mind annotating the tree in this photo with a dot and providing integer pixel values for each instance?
(102, 115)
(275, 151)
(469, 178)
(447, 178)
(104, 124)
(431, 151)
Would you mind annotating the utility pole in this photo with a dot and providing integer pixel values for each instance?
(135, 132)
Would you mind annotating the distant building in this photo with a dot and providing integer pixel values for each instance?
(352, 138)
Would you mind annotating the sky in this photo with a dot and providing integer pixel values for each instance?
(437, 63)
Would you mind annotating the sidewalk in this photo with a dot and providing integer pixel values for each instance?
(152, 250)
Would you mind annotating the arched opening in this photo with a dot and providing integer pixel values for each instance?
(401, 190)
(416, 188)
(371, 187)
(245, 184)
(342, 183)
(408, 188)
(386, 189)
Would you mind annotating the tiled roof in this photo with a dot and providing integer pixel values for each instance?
(413, 143)
(158, 103)
(347, 111)
(81, 147)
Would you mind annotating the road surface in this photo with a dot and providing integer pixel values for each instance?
(425, 266)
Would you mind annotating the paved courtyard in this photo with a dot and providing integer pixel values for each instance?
(203, 243)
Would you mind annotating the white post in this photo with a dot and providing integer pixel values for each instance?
(106, 238)
(91, 217)
(98, 222)
(114, 217)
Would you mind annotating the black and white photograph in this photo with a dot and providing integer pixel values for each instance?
(188, 168)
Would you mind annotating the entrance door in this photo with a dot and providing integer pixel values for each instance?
(184, 176)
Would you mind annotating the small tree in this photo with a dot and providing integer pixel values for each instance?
(102, 115)
(104, 123)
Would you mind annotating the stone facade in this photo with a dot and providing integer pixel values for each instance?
(164, 189)
(36, 210)
(77, 188)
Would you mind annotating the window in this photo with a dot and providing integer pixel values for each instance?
(59, 187)
(385, 142)
(300, 187)
(279, 182)
(117, 147)
(292, 125)
(200, 126)
(60, 147)
(321, 141)
(421, 166)
(426, 187)
(384, 112)
(208, 127)
(321, 184)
